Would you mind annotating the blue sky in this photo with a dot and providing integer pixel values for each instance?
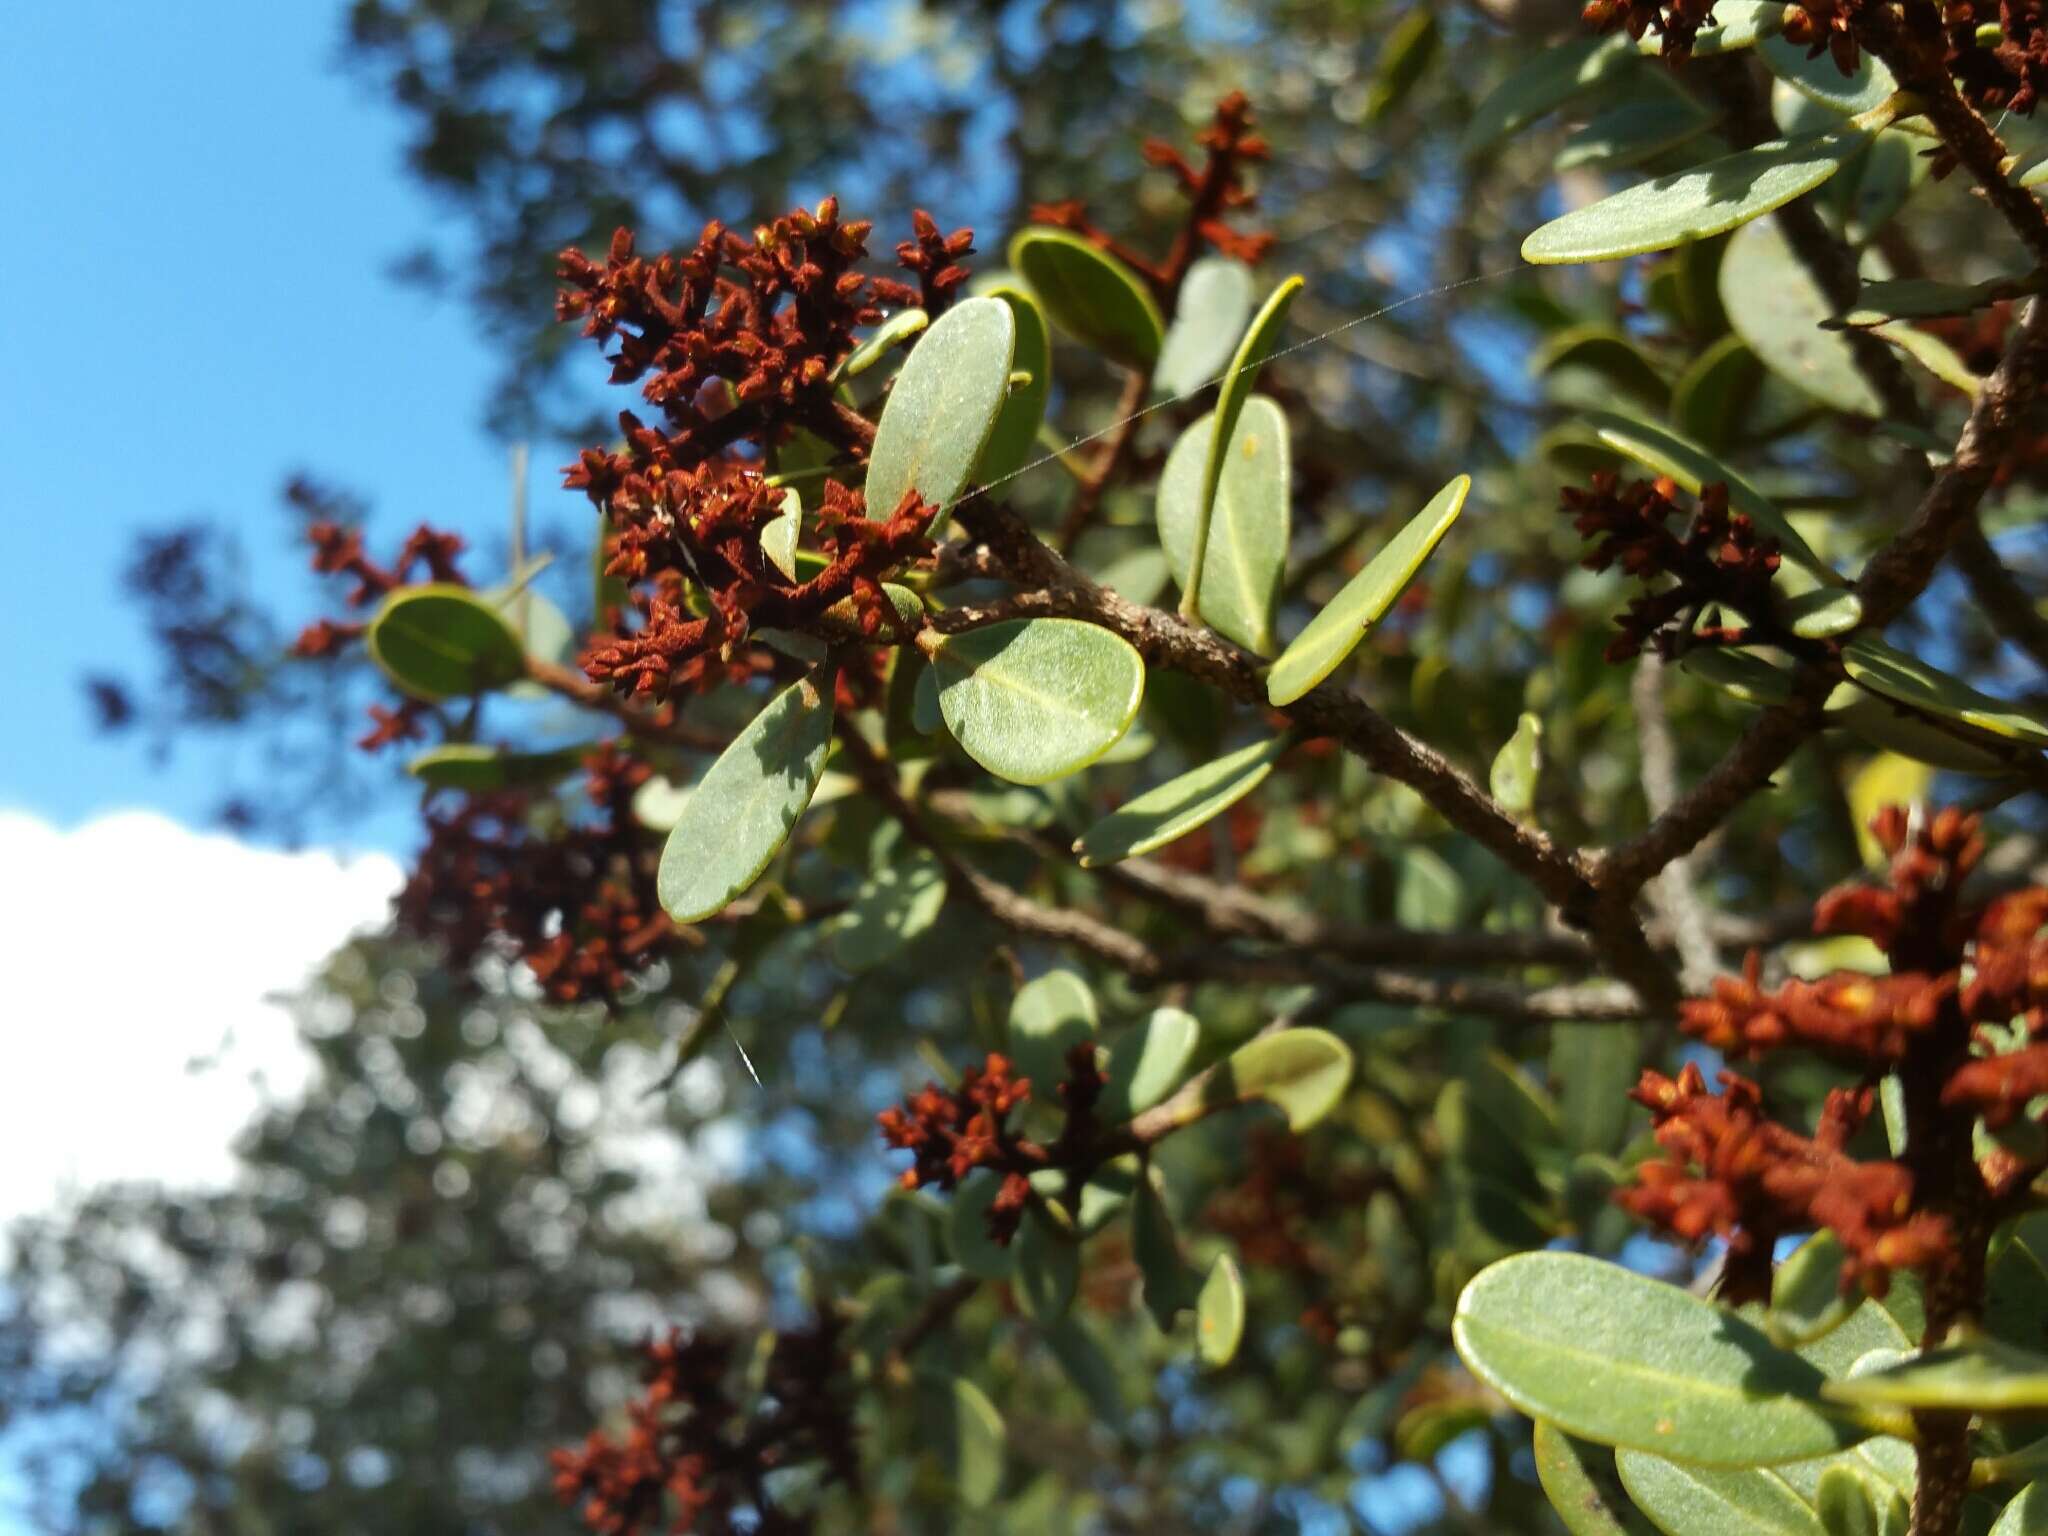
(201, 208)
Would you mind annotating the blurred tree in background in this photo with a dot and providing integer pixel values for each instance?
(1444, 937)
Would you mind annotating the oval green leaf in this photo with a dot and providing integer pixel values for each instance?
(1693, 204)
(942, 409)
(438, 641)
(979, 1445)
(1048, 1269)
(1583, 1486)
(1552, 77)
(1148, 1064)
(1014, 442)
(1515, 765)
(1090, 295)
(1676, 1373)
(886, 337)
(1778, 309)
(1033, 700)
(1214, 304)
(1334, 633)
(1049, 1016)
(1634, 132)
(890, 910)
(1847, 1502)
(1179, 806)
(1867, 86)
(1806, 1293)
(1908, 679)
(1736, 24)
(1249, 521)
(1706, 1501)
(743, 809)
(1304, 1072)
(1168, 1284)
(1713, 397)
(471, 766)
(1985, 1375)
(967, 1228)
(778, 539)
(1261, 341)
(2026, 1515)
(1219, 1313)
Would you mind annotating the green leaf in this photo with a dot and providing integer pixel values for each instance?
(1603, 350)
(1847, 1503)
(1922, 298)
(1179, 806)
(1148, 1064)
(1552, 77)
(2026, 1515)
(1302, 1071)
(1984, 1375)
(1261, 341)
(1033, 700)
(967, 1228)
(979, 1445)
(1713, 397)
(1806, 1293)
(1048, 1269)
(1594, 1066)
(1335, 632)
(942, 408)
(744, 808)
(438, 641)
(891, 908)
(1049, 1016)
(1219, 1313)
(1407, 53)
(1820, 79)
(1014, 442)
(1693, 204)
(1675, 1373)
(1823, 613)
(1168, 1284)
(778, 539)
(1090, 295)
(1081, 1356)
(1778, 309)
(1886, 724)
(1705, 1501)
(469, 765)
(1634, 132)
(885, 338)
(1581, 1482)
(1666, 453)
(1515, 765)
(1214, 304)
(1909, 680)
(1247, 554)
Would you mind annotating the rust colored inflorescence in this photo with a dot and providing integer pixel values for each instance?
(950, 1133)
(1216, 188)
(1964, 1008)
(1720, 559)
(692, 1458)
(577, 904)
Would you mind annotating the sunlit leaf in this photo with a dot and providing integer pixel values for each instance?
(1208, 318)
(1910, 680)
(1583, 1486)
(1304, 1072)
(778, 539)
(1147, 1064)
(1984, 1375)
(891, 908)
(1778, 309)
(1249, 524)
(1513, 778)
(1179, 806)
(1676, 1373)
(2026, 1515)
(884, 339)
(942, 408)
(474, 767)
(1346, 619)
(1693, 204)
(1219, 1313)
(1049, 1016)
(1715, 1501)
(1090, 295)
(743, 809)
(1822, 80)
(1551, 77)
(1014, 442)
(438, 641)
(1806, 1293)
(1033, 700)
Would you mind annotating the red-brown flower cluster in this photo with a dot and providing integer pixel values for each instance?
(1733, 1173)
(578, 905)
(1721, 559)
(935, 258)
(1964, 1009)
(949, 1134)
(2006, 75)
(1213, 190)
(691, 1457)
(1678, 22)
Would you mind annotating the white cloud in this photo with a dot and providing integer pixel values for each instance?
(137, 948)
